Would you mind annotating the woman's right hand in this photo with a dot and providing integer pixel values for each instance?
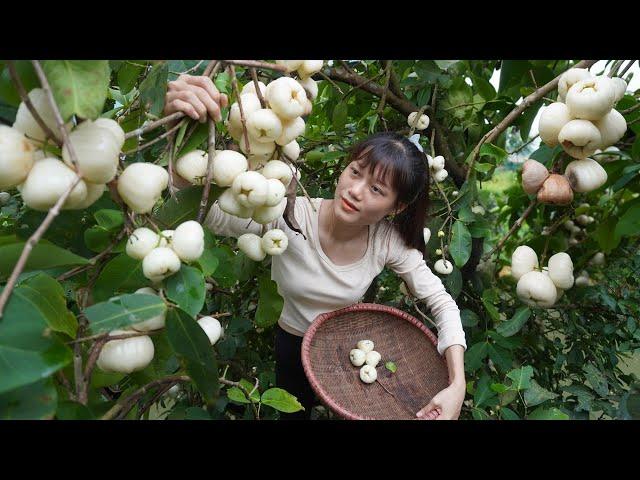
(196, 96)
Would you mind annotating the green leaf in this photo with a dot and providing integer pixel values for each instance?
(511, 72)
(281, 400)
(8, 92)
(128, 76)
(508, 414)
(192, 346)
(154, 88)
(23, 366)
(270, 303)
(535, 394)
(185, 206)
(208, 262)
(605, 234)
(483, 391)
(498, 154)
(474, 356)
(68, 410)
(521, 378)
(488, 305)
(629, 223)
(197, 413)
(199, 135)
(123, 311)
(79, 86)
(122, 273)
(47, 295)
(97, 238)
(186, 288)
(484, 88)
(460, 247)
(453, 283)
(43, 256)
(339, 117)
(542, 413)
(469, 318)
(515, 324)
(236, 394)
(596, 379)
(391, 366)
(109, 219)
(37, 401)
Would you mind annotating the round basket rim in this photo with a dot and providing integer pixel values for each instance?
(324, 317)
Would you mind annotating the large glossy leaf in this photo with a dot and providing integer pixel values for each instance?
(596, 379)
(542, 413)
(483, 391)
(122, 273)
(186, 288)
(460, 244)
(474, 355)
(629, 223)
(535, 394)
(43, 256)
(8, 93)
(185, 206)
(122, 311)
(79, 86)
(270, 303)
(153, 89)
(515, 324)
(192, 346)
(37, 401)
(281, 400)
(521, 378)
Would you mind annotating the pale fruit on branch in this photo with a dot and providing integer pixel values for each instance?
(153, 323)
(592, 98)
(310, 86)
(555, 190)
(264, 214)
(16, 157)
(523, 260)
(279, 170)
(436, 163)
(96, 150)
(250, 104)
(612, 128)
(25, 122)
(585, 175)
(552, 119)
(620, 87)
(580, 138)
(291, 151)
(440, 175)
(251, 88)
(47, 181)
(420, 123)
(275, 242)
(264, 150)
(250, 189)
(212, 328)
(443, 267)
(251, 245)
(166, 238)
(560, 268)
(533, 176)
(188, 241)
(193, 166)
(286, 98)
(309, 67)
(126, 355)
(537, 290)
(228, 203)
(426, 233)
(94, 192)
(569, 78)
(141, 185)
(291, 65)
(275, 192)
(141, 242)
(291, 129)
(113, 126)
(160, 263)
(264, 126)
(227, 165)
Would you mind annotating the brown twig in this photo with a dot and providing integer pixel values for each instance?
(522, 147)
(172, 152)
(211, 152)
(515, 113)
(415, 305)
(257, 64)
(155, 140)
(153, 125)
(27, 101)
(246, 393)
(625, 69)
(256, 84)
(236, 91)
(380, 110)
(335, 85)
(93, 260)
(513, 228)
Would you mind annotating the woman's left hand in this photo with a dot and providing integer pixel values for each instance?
(445, 405)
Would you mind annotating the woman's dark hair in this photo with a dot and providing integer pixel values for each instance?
(409, 176)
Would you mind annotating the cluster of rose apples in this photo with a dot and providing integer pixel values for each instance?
(584, 122)
(541, 288)
(367, 358)
(40, 177)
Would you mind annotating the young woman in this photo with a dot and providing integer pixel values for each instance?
(375, 219)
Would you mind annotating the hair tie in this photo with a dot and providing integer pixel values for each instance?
(415, 139)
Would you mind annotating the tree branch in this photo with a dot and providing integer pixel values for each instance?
(513, 228)
(257, 64)
(211, 152)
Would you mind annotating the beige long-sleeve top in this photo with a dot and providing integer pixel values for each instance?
(311, 283)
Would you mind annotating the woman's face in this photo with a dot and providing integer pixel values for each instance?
(372, 198)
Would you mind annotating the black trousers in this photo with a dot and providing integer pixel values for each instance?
(290, 374)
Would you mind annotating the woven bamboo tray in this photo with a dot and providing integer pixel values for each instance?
(421, 370)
